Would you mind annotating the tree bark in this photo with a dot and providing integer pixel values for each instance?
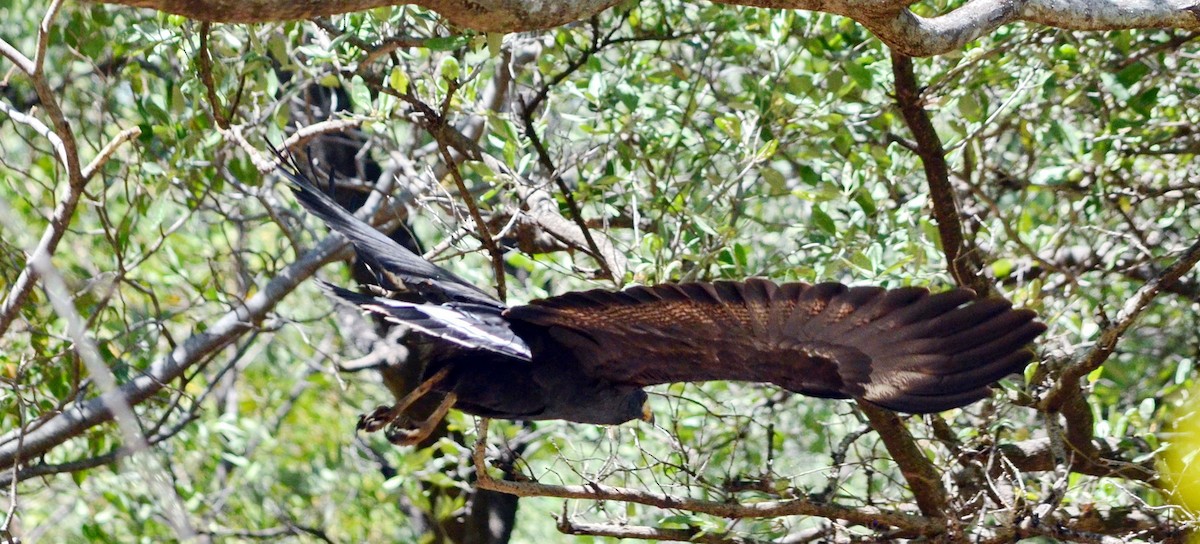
(890, 20)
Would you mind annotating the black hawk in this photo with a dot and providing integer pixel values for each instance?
(586, 356)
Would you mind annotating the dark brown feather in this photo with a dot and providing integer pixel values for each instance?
(902, 349)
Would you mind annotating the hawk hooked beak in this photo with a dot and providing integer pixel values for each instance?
(647, 413)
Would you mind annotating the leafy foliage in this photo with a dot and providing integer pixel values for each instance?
(702, 141)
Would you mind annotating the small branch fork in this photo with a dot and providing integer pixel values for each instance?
(62, 138)
(871, 517)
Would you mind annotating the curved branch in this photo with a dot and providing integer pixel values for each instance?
(1068, 383)
(63, 139)
(80, 416)
(890, 20)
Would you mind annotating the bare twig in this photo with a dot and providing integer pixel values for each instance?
(865, 516)
(107, 151)
(568, 526)
(572, 206)
(485, 235)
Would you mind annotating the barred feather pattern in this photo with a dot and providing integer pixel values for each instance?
(904, 349)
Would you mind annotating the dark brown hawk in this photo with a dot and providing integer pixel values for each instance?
(586, 356)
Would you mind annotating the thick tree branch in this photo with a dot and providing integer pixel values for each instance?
(890, 20)
(918, 471)
(963, 263)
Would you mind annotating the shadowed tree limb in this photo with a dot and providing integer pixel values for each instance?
(918, 471)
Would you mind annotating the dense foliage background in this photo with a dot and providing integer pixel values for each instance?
(698, 142)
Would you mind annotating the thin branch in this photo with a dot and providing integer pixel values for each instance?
(307, 133)
(106, 153)
(82, 415)
(866, 516)
(1068, 382)
(568, 526)
(544, 211)
(485, 235)
(572, 206)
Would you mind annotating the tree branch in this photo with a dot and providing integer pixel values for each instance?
(568, 526)
(918, 471)
(962, 263)
(890, 20)
(63, 140)
(1068, 382)
(866, 516)
(19, 445)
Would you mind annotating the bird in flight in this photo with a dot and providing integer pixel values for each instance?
(587, 356)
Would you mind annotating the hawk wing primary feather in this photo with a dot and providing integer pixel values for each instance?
(469, 326)
(902, 349)
(395, 267)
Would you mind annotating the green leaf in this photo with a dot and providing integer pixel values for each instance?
(448, 43)
(862, 76)
(1001, 268)
(449, 69)
(398, 80)
(774, 179)
(822, 221)
(1132, 73)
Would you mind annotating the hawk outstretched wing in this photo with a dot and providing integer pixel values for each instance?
(586, 356)
(902, 349)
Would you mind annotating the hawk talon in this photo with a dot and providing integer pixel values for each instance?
(412, 436)
(386, 416)
(379, 418)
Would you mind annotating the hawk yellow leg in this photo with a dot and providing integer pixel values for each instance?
(384, 416)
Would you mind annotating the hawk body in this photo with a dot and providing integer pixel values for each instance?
(586, 356)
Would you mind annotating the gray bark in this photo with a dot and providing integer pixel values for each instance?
(890, 20)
